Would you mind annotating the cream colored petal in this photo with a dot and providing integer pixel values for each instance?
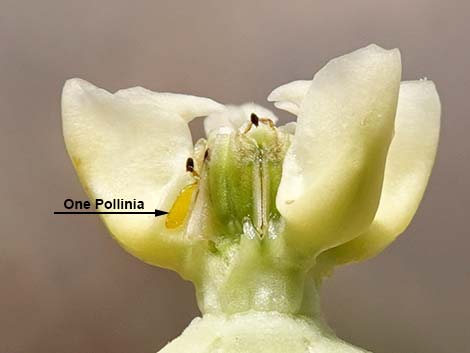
(186, 106)
(408, 167)
(216, 122)
(289, 96)
(288, 107)
(130, 145)
(333, 171)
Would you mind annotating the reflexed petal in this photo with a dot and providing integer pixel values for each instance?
(289, 97)
(288, 107)
(409, 163)
(132, 145)
(333, 171)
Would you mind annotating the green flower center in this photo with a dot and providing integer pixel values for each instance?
(243, 174)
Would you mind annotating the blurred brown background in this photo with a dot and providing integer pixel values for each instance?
(65, 286)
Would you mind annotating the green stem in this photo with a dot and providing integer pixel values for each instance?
(238, 276)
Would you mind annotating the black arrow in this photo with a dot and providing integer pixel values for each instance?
(156, 212)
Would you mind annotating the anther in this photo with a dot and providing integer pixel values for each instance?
(255, 120)
(190, 165)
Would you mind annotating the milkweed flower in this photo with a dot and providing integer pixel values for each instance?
(259, 214)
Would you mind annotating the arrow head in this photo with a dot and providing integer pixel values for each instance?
(160, 213)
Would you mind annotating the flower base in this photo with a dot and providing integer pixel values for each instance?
(258, 332)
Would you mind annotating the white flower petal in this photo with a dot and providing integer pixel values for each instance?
(288, 107)
(408, 167)
(186, 106)
(289, 97)
(131, 145)
(217, 121)
(333, 171)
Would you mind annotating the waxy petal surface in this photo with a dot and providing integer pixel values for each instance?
(333, 172)
(408, 167)
(289, 96)
(187, 107)
(133, 145)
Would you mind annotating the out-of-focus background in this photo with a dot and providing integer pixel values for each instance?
(65, 285)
